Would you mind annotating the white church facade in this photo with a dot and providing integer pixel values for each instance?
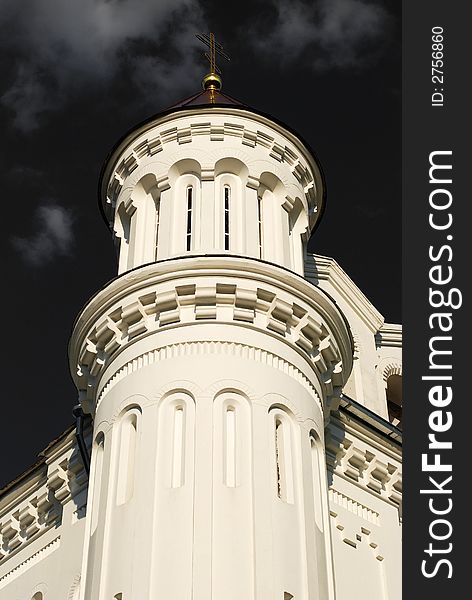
(242, 397)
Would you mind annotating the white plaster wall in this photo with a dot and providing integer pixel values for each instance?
(366, 544)
(377, 345)
(365, 494)
(193, 532)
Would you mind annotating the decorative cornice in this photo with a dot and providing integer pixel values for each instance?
(150, 140)
(210, 289)
(364, 464)
(322, 268)
(37, 506)
(30, 561)
(389, 336)
(74, 588)
(357, 344)
(353, 506)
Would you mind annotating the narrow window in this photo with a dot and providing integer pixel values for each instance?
(259, 219)
(227, 196)
(178, 453)
(279, 458)
(97, 480)
(158, 215)
(127, 458)
(38, 596)
(189, 216)
(283, 459)
(230, 446)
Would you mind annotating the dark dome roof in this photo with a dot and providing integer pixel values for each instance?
(207, 97)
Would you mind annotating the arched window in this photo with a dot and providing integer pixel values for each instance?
(394, 400)
(284, 475)
(176, 431)
(227, 195)
(179, 222)
(189, 216)
(37, 596)
(274, 219)
(233, 217)
(232, 440)
(127, 456)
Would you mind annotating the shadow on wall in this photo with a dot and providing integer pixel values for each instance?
(395, 400)
(334, 451)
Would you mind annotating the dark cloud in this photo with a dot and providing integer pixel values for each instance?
(324, 34)
(25, 174)
(63, 50)
(53, 236)
(63, 47)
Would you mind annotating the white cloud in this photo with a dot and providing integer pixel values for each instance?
(63, 45)
(324, 34)
(53, 236)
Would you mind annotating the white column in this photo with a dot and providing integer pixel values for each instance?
(165, 224)
(251, 222)
(207, 211)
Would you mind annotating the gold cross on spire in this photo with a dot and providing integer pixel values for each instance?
(212, 81)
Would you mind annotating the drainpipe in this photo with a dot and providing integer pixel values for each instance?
(79, 436)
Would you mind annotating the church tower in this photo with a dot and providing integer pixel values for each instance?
(209, 364)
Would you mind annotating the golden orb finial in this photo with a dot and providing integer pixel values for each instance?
(212, 81)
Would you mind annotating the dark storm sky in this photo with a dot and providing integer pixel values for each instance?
(76, 76)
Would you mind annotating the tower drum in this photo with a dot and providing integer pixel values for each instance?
(207, 365)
